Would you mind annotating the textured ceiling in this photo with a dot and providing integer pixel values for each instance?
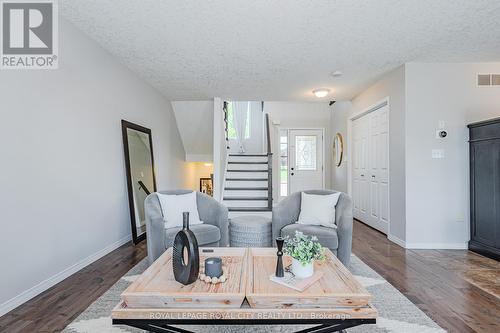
(281, 50)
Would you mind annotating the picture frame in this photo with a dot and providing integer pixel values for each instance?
(206, 186)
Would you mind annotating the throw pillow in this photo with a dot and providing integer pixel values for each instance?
(318, 209)
(173, 205)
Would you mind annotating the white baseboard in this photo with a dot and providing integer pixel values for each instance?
(46, 284)
(396, 240)
(427, 246)
(437, 246)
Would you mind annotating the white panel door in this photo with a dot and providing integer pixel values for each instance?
(370, 170)
(360, 169)
(383, 170)
(305, 160)
(379, 178)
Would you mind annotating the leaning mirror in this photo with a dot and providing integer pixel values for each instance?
(338, 149)
(139, 166)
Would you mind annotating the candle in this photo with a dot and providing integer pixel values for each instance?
(213, 267)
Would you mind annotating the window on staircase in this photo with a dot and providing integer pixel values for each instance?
(283, 163)
(231, 124)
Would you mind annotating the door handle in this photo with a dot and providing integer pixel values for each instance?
(373, 176)
(291, 174)
(291, 169)
(362, 175)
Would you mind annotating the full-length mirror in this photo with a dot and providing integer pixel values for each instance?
(139, 165)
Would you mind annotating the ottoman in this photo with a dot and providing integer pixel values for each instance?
(250, 231)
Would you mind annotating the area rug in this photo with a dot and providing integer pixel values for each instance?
(396, 312)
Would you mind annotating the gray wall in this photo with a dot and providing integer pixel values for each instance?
(63, 197)
(392, 85)
(442, 92)
(195, 122)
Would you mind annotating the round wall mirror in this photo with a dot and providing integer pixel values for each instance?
(338, 149)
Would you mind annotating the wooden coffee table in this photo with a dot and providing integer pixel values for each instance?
(155, 301)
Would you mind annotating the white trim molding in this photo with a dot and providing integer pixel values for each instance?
(55, 279)
(427, 246)
(437, 246)
(396, 240)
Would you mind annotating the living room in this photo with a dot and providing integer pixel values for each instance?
(258, 107)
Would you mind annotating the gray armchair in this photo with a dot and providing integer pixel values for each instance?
(338, 240)
(213, 232)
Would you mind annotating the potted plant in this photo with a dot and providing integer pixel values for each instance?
(304, 250)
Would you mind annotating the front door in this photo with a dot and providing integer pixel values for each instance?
(305, 168)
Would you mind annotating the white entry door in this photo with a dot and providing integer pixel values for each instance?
(305, 168)
(370, 170)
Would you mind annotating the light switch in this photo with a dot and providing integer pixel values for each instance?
(437, 153)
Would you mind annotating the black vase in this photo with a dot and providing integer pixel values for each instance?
(185, 257)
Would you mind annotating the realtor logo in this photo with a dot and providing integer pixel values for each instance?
(29, 34)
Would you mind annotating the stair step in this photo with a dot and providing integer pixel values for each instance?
(248, 184)
(248, 166)
(249, 209)
(248, 175)
(231, 162)
(247, 179)
(245, 188)
(247, 198)
(248, 155)
(247, 193)
(242, 170)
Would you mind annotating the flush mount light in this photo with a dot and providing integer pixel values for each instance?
(337, 73)
(321, 92)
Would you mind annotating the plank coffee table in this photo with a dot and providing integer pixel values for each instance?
(155, 301)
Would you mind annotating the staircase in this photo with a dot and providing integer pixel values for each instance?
(248, 183)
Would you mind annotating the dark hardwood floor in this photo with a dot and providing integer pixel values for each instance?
(55, 308)
(460, 290)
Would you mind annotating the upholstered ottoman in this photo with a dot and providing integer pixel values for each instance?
(250, 231)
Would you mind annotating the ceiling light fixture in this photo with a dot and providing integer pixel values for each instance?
(337, 73)
(321, 92)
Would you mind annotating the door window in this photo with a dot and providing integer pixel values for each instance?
(283, 163)
(305, 152)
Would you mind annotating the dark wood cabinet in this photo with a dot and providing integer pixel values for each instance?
(484, 152)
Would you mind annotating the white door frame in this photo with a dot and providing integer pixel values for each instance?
(277, 142)
(385, 101)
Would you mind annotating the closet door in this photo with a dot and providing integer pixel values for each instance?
(383, 170)
(360, 185)
(378, 175)
(370, 169)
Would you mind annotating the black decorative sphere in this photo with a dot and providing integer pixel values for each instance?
(186, 257)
